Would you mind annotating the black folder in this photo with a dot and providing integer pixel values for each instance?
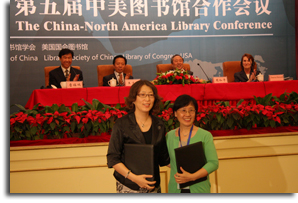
(191, 158)
(139, 158)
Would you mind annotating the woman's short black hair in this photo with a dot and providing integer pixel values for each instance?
(134, 91)
(64, 52)
(119, 56)
(185, 100)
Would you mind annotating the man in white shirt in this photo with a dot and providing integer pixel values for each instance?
(177, 62)
(65, 72)
(119, 63)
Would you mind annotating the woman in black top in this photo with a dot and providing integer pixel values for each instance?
(138, 127)
(249, 71)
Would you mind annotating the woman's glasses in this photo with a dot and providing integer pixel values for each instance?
(143, 95)
(184, 111)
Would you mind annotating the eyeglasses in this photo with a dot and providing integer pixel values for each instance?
(142, 95)
(184, 111)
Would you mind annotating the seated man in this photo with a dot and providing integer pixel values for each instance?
(177, 62)
(65, 72)
(119, 63)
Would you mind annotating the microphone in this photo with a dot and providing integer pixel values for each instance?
(203, 71)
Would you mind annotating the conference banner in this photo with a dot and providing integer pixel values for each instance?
(147, 33)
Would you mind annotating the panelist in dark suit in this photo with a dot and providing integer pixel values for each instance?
(248, 73)
(177, 62)
(65, 72)
(119, 63)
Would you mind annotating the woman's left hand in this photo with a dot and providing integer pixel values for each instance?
(183, 177)
(253, 75)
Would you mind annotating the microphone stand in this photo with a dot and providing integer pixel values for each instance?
(204, 71)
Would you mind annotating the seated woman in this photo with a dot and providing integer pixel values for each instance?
(248, 73)
(119, 63)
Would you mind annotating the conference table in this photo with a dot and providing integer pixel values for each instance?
(205, 94)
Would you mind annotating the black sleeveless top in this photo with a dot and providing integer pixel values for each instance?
(148, 136)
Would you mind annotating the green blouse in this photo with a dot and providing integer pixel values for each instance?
(210, 153)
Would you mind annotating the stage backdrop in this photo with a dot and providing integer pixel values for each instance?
(147, 33)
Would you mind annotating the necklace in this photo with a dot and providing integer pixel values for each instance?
(143, 124)
(188, 140)
(184, 135)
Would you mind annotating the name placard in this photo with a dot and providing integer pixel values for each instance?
(72, 84)
(276, 77)
(220, 79)
(130, 82)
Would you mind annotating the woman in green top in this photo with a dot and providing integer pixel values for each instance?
(185, 110)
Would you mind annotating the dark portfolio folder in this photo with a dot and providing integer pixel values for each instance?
(191, 158)
(139, 158)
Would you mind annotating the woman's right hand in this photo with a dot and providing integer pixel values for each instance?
(141, 180)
